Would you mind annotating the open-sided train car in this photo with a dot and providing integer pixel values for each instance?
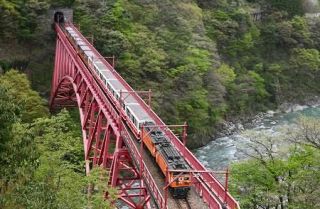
(168, 158)
(160, 147)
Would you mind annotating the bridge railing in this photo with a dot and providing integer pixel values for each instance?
(207, 181)
(146, 173)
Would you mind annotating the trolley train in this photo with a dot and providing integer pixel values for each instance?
(166, 155)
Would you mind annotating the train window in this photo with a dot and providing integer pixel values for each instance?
(139, 125)
(128, 113)
(186, 178)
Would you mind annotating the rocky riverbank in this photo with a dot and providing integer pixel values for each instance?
(228, 128)
(222, 151)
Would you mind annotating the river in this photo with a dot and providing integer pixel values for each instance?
(220, 153)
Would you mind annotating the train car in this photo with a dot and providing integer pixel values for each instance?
(160, 147)
(168, 158)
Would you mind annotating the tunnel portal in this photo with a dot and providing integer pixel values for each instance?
(59, 17)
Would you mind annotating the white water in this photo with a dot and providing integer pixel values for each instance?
(219, 154)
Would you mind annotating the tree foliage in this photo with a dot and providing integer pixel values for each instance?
(18, 88)
(41, 158)
(9, 113)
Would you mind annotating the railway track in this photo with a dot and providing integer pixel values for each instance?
(183, 204)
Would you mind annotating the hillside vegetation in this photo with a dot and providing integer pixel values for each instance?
(41, 157)
(206, 61)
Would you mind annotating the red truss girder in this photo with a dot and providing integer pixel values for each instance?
(74, 86)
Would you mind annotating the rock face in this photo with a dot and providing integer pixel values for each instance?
(291, 107)
(311, 6)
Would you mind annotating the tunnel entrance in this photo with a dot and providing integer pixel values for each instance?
(58, 17)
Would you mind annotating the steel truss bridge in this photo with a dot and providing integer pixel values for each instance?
(108, 142)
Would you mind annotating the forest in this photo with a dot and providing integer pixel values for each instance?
(206, 61)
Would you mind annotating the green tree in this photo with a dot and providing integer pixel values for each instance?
(248, 89)
(62, 166)
(18, 160)
(9, 114)
(42, 167)
(18, 87)
(305, 60)
(226, 74)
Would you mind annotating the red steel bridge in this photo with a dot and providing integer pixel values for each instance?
(109, 143)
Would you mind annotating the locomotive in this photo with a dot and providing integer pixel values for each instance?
(165, 154)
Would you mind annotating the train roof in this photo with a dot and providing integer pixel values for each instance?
(69, 29)
(139, 112)
(81, 43)
(129, 98)
(85, 48)
(108, 74)
(89, 53)
(117, 85)
(73, 33)
(172, 156)
(102, 67)
(157, 135)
